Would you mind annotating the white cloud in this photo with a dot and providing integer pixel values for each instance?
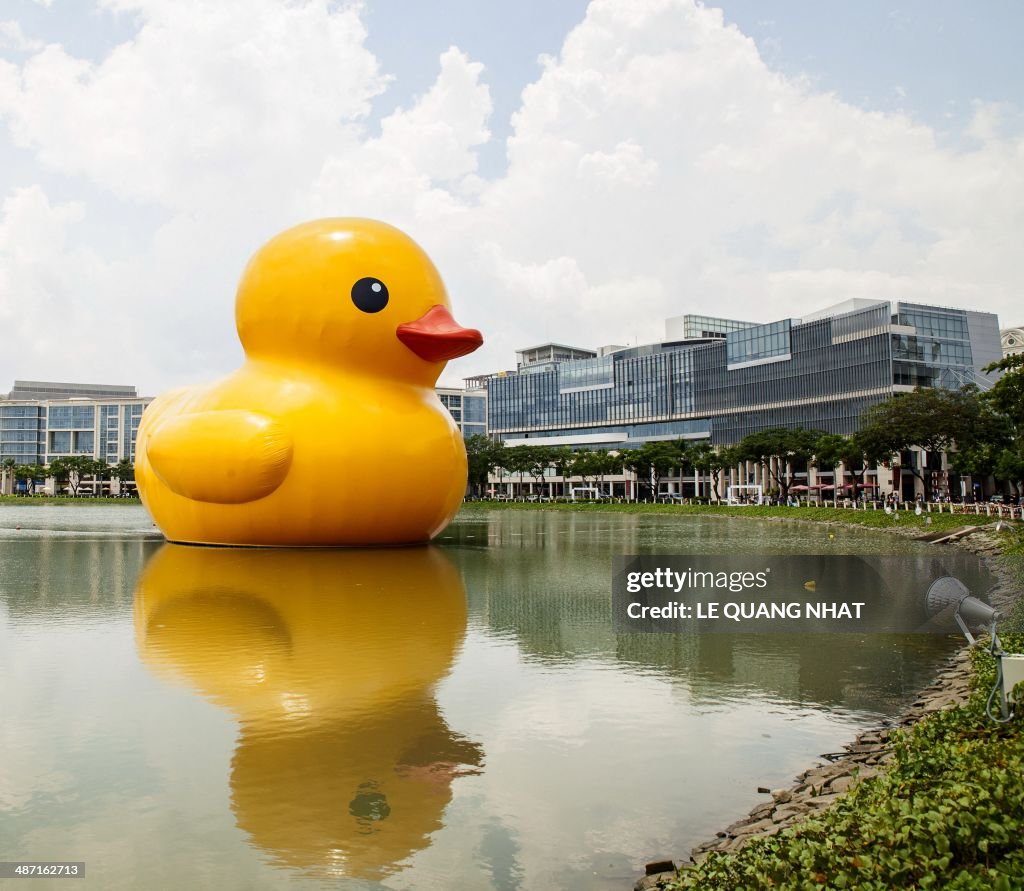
(656, 166)
(13, 38)
(204, 99)
(37, 276)
(423, 159)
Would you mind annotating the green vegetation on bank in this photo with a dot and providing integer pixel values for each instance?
(874, 519)
(982, 433)
(68, 473)
(948, 813)
(35, 500)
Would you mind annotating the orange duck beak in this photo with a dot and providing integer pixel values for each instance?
(437, 337)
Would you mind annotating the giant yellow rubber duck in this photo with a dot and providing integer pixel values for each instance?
(328, 659)
(346, 327)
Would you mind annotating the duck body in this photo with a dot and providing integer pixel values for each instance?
(303, 444)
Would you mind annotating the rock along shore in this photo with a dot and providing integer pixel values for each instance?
(819, 787)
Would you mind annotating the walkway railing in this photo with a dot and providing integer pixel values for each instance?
(978, 509)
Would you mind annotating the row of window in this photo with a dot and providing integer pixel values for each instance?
(635, 433)
(950, 323)
(22, 411)
(72, 417)
(830, 415)
(759, 342)
(818, 379)
(586, 373)
(927, 349)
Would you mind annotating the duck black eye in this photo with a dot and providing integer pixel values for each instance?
(370, 294)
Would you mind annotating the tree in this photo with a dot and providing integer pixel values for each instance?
(483, 454)
(703, 457)
(1007, 394)
(561, 461)
(932, 420)
(98, 469)
(869, 448)
(8, 465)
(29, 473)
(605, 463)
(60, 470)
(586, 464)
(651, 462)
(69, 471)
(783, 445)
(517, 459)
(831, 450)
(856, 453)
(538, 460)
(707, 459)
(124, 470)
(998, 444)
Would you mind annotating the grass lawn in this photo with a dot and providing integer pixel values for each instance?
(27, 500)
(875, 519)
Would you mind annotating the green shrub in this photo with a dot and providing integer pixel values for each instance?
(948, 813)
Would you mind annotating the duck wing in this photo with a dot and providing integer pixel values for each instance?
(225, 457)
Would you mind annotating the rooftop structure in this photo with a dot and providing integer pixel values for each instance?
(698, 327)
(551, 352)
(42, 390)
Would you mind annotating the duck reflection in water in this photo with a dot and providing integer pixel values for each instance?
(329, 659)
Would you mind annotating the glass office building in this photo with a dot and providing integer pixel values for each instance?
(42, 420)
(820, 373)
(22, 433)
(37, 431)
(468, 408)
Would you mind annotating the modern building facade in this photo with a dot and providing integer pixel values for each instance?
(468, 407)
(43, 420)
(723, 380)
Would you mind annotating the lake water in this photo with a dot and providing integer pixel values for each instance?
(460, 716)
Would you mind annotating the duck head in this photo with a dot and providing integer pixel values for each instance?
(355, 294)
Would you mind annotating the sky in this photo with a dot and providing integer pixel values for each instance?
(578, 171)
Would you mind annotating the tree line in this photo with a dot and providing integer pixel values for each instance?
(982, 432)
(69, 472)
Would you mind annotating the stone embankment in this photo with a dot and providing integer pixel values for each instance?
(819, 787)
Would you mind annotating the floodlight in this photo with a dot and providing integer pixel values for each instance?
(973, 615)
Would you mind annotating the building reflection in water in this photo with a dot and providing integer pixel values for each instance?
(329, 660)
(543, 578)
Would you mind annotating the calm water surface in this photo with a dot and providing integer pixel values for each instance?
(461, 716)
